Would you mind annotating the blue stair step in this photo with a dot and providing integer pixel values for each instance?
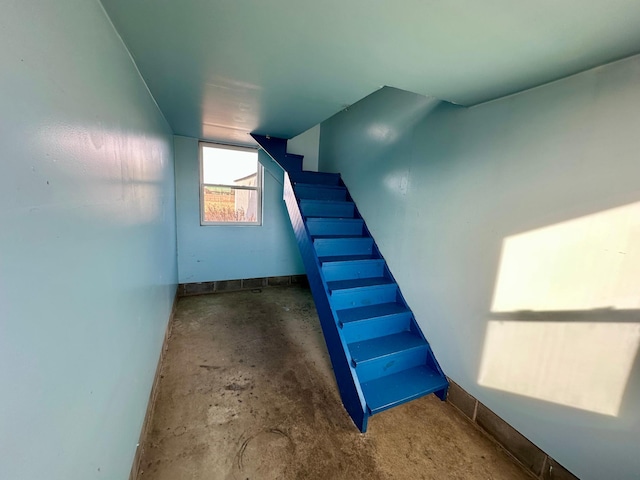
(335, 226)
(344, 258)
(291, 162)
(320, 192)
(356, 283)
(376, 348)
(392, 390)
(327, 208)
(359, 314)
(333, 271)
(315, 178)
(361, 292)
(392, 363)
(334, 246)
(364, 323)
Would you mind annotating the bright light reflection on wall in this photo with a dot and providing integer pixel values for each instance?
(571, 268)
(580, 365)
(589, 262)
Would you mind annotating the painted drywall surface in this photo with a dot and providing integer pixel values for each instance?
(512, 228)
(209, 253)
(307, 144)
(87, 243)
(202, 64)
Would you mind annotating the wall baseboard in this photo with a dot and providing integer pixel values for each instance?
(521, 449)
(148, 417)
(203, 288)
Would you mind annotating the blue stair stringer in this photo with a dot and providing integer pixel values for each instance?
(379, 355)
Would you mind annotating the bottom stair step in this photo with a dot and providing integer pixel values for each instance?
(392, 390)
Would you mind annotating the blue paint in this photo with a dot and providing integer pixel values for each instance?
(441, 186)
(87, 243)
(209, 253)
(346, 378)
(374, 343)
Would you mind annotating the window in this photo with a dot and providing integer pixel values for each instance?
(230, 185)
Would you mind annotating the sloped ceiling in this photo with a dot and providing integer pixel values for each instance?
(220, 69)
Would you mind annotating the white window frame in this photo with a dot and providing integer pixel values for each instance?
(259, 188)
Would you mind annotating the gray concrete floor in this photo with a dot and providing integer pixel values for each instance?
(247, 392)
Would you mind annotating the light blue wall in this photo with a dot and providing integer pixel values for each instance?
(441, 187)
(87, 243)
(209, 253)
(307, 144)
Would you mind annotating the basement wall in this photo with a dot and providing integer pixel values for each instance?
(513, 229)
(208, 253)
(88, 268)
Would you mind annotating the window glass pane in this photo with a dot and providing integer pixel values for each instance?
(225, 204)
(223, 166)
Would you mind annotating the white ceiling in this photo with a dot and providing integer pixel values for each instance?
(220, 69)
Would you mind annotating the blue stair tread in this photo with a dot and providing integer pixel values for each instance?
(335, 219)
(320, 185)
(338, 236)
(398, 388)
(326, 202)
(315, 217)
(382, 346)
(345, 258)
(306, 176)
(358, 282)
(371, 311)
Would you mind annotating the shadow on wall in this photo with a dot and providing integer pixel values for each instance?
(564, 325)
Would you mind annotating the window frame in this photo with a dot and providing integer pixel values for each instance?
(259, 188)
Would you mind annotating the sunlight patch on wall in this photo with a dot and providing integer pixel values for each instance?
(565, 320)
(589, 262)
(580, 365)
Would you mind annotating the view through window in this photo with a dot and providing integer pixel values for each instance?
(231, 185)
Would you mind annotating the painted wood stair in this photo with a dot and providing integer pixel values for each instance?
(379, 355)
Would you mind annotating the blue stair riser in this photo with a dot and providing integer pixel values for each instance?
(326, 247)
(320, 178)
(363, 296)
(335, 226)
(320, 208)
(333, 271)
(375, 327)
(390, 364)
(321, 192)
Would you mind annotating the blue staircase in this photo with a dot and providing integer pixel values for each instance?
(379, 355)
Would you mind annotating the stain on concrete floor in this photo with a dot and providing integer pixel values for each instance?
(247, 392)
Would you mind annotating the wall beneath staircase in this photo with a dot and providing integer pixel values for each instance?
(513, 229)
(212, 253)
(88, 268)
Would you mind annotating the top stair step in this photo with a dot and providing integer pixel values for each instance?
(315, 178)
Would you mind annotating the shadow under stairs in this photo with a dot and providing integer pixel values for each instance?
(379, 355)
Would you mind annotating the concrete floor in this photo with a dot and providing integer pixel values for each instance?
(247, 392)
